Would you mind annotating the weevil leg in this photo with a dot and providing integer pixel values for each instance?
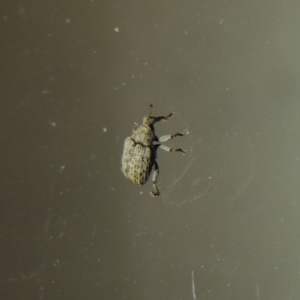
(166, 148)
(155, 192)
(165, 138)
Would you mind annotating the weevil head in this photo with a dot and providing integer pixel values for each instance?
(149, 121)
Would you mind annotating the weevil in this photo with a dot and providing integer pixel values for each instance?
(140, 151)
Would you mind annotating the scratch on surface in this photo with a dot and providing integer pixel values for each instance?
(170, 188)
(182, 174)
(193, 286)
(245, 185)
(291, 290)
(257, 290)
(25, 277)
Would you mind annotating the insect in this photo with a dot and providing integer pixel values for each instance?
(139, 153)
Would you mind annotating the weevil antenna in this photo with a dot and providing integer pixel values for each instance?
(150, 109)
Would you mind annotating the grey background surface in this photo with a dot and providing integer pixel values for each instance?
(75, 75)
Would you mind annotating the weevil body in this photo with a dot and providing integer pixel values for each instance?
(139, 153)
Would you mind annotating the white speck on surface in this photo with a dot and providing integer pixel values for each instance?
(52, 124)
(67, 20)
(61, 168)
(104, 129)
(221, 21)
(116, 29)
